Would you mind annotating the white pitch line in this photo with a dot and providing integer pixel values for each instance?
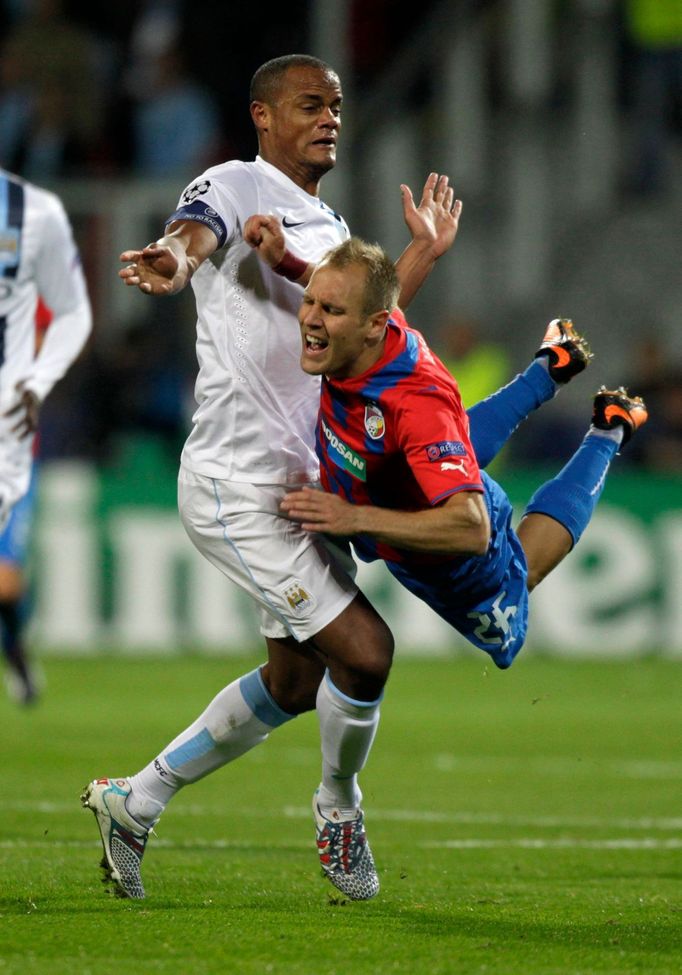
(563, 842)
(559, 766)
(461, 818)
(158, 842)
(526, 843)
(502, 819)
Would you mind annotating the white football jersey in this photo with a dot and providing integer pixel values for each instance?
(256, 412)
(38, 257)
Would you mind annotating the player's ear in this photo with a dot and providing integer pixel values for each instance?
(377, 324)
(260, 114)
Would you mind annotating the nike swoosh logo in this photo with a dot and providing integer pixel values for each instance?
(563, 357)
(617, 412)
(288, 223)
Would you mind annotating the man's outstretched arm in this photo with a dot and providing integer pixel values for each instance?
(458, 526)
(166, 266)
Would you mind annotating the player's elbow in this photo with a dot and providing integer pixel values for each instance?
(480, 532)
(477, 527)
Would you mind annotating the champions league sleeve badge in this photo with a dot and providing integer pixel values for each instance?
(198, 189)
(374, 421)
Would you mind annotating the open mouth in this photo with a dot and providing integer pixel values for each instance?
(328, 143)
(314, 345)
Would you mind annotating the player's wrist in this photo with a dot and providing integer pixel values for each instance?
(364, 518)
(422, 243)
(291, 267)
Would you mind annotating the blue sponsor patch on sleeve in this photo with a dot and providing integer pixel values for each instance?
(203, 213)
(445, 448)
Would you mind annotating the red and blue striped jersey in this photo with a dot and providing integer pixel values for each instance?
(396, 436)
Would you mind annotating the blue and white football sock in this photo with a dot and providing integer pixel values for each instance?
(241, 716)
(570, 498)
(494, 419)
(347, 730)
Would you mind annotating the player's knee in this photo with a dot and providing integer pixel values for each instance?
(358, 649)
(381, 658)
(294, 691)
(366, 665)
(535, 577)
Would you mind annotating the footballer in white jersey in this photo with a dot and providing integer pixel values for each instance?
(328, 649)
(38, 257)
(256, 407)
(255, 419)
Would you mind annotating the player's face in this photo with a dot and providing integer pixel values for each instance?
(338, 338)
(298, 134)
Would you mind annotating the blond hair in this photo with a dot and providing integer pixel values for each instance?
(381, 279)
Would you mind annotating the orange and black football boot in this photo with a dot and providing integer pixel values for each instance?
(567, 352)
(616, 408)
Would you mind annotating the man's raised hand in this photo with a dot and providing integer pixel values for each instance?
(436, 220)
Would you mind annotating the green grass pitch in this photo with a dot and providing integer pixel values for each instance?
(524, 822)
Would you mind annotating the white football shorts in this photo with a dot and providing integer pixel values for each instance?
(301, 581)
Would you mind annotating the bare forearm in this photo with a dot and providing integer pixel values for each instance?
(432, 530)
(187, 263)
(63, 342)
(166, 266)
(459, 526)
(413, 266)
(433, 227)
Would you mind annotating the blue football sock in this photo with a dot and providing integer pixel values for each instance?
(494, 419)
(571, 496)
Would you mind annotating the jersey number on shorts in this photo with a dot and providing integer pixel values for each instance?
(494, 628)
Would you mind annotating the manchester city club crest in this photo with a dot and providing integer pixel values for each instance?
(374, 421)
(299, 599)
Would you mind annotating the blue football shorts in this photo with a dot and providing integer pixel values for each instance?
(16, 535)
(484, 598)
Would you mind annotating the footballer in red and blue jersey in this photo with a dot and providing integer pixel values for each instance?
(397, 436)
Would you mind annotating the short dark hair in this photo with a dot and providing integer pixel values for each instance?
(381, 283)
(267, 80)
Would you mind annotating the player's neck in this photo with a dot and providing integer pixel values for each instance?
(363, 363)
(304, 175)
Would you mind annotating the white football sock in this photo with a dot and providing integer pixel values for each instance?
(347, 730)
(241, 716)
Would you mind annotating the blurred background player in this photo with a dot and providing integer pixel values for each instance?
(38, 257)
(654, 29)
(22, 679)
(479, 365)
